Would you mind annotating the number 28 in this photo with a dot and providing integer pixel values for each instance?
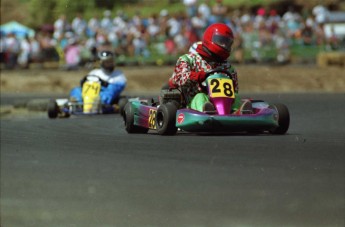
(226, 88)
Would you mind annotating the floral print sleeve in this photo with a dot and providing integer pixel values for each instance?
(195, 63)
(182, 71)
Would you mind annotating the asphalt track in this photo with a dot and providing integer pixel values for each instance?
(87, 171)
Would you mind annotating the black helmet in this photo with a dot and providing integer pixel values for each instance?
(107, 60)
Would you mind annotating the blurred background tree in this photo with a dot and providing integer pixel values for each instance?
(35, 13)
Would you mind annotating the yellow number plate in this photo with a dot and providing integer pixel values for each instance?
(90, 94)
(91, 89)
(221, 87)
(152, 118)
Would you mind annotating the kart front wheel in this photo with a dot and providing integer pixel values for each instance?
(283, 119)
(53, 109)
(166, 119)
(128, 118)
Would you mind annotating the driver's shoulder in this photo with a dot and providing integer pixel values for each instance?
(96, 72)
(117, 73)
(190, 57)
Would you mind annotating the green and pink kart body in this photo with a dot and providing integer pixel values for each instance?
(167, 116)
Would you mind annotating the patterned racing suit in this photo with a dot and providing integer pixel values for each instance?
(193, 62)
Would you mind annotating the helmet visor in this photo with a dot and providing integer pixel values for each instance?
(223, 41)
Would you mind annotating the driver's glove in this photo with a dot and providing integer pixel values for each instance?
(172, 84)
(198, 76)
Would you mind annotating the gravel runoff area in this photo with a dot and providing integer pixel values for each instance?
(252, 78)
(148, 80)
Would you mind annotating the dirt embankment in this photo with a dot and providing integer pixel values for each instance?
(252, 78)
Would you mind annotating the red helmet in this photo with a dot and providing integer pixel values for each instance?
(218, 39)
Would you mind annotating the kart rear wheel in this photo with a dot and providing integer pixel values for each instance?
(128, 117)
(53, 109)
(283, 119)
(166, 119)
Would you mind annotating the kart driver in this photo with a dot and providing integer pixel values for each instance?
(113, 81)
(190, 70)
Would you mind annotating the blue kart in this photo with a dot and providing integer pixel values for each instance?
(91, 105)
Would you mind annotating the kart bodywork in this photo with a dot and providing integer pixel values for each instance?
(170, 113)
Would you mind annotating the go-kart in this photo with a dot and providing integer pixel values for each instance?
(91, 105)
(170, 112)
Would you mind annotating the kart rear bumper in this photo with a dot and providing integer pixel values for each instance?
(195, 121)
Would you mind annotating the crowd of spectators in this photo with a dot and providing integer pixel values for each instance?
(75, 43)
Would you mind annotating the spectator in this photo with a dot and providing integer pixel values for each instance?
(91, 45)
(320, 35)
(198, 25)
(191, 7)
(260, 18)
(60, 26)
(333, 42)
(106, 22)
(12, 49)
(72, 54)
(160, 42)
(273, 21)
(48, 44)
(86, 55)
(219, 11)
(92, 26)
(238, 48)
(321, 13)
(35, 48)
(2, 48)
(163, 21)
(25, 52)
(168, 34)
(174, 26)
(204, 10)
(140, 46)
(307, 34)
(79, 25)
(153, 27)
(181, 42)
(292, 22)
(119, 21)
(282, 46)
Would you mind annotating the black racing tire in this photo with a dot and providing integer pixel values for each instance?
(122, 103)
(166, 119)
(128, 118)
(53, 109)
(283, 119)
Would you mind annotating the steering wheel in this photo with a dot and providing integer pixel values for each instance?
(212, 71)
(217, 70)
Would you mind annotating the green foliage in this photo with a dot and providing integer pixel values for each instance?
(41, 11)
(71, 8)
(47, 11)
(248, 2)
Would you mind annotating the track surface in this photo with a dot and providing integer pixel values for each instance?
(87, 171)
